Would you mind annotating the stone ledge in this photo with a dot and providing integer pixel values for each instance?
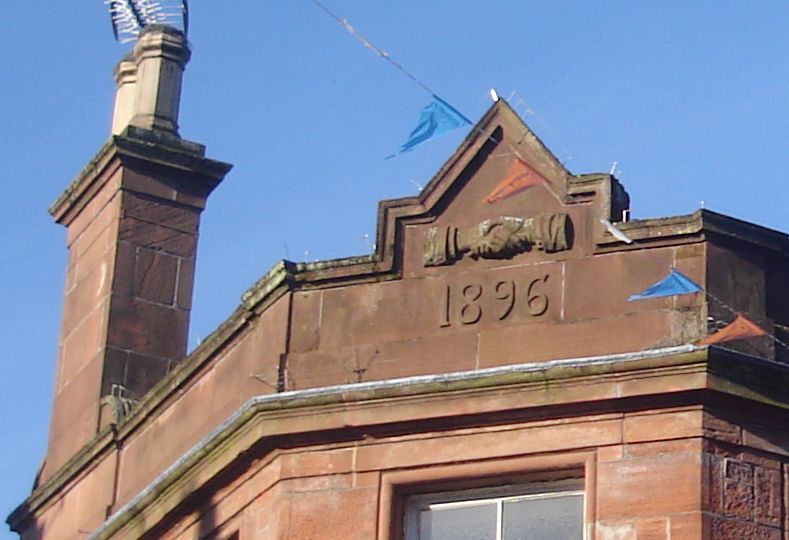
(692, 227)
(143, 145)
(610, 377)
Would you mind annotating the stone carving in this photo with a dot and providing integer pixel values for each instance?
(499, 238)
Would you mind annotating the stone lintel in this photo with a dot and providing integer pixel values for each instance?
(139, 145)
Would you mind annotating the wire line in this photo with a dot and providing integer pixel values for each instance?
(368, 45)
(383, 54)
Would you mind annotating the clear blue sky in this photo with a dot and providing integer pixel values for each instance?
(690, 98)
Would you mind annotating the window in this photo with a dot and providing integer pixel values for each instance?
(542, 511)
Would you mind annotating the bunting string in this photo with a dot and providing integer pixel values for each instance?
(369, 45)
(551, 132)
(440, 116)
(638, 247)
(366, 43)
(734, 312)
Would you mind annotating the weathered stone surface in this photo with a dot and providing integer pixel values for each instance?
(675, 444)
(147, 328)
(305, 332)
(500, 238)
(721, 430)
(649, 485)
(539, 342)
(767, 496)
(653, 529)
(155, 276)
(689, 525)
(186, 276)
(731, 529)
(738, 497)
(662, 426)
(318, 513)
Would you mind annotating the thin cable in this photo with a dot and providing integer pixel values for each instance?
(735, 312)
(383, 54)
(637, 244)
(548, 129)
(367, 44)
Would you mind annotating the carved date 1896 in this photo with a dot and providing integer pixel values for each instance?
(464, 303)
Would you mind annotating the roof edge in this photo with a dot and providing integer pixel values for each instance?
(699, 224)
(712, 360)
(376, 391)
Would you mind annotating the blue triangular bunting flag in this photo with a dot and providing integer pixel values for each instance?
(673, 284)
(435, 119)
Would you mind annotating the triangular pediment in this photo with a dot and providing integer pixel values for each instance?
(497, 142)
(502, 195)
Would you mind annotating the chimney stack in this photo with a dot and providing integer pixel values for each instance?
(132, 218)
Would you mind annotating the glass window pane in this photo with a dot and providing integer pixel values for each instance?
(465, 522)
(549, 518)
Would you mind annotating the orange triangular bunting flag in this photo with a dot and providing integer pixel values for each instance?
(739, 328)
(519, 177)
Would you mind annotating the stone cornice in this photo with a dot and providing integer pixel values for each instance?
(141, 145)
(367, 407)
(698, 226)
(745, 232)
(682, 369)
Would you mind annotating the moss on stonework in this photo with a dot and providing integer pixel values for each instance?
(89, 170)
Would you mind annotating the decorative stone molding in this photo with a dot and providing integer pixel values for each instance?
(499, 238)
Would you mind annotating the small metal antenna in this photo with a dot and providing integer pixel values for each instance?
(130, 17)
(613, 168)
(417, 184)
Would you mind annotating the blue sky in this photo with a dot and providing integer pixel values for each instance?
(689, 98)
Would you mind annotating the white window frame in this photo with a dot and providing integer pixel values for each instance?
(498, 495)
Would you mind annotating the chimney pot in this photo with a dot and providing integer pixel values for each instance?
(160, 55)
(125, 81)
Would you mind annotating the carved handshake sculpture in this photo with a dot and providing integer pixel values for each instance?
(499, 238)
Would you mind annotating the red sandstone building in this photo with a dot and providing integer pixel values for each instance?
(481, 375)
